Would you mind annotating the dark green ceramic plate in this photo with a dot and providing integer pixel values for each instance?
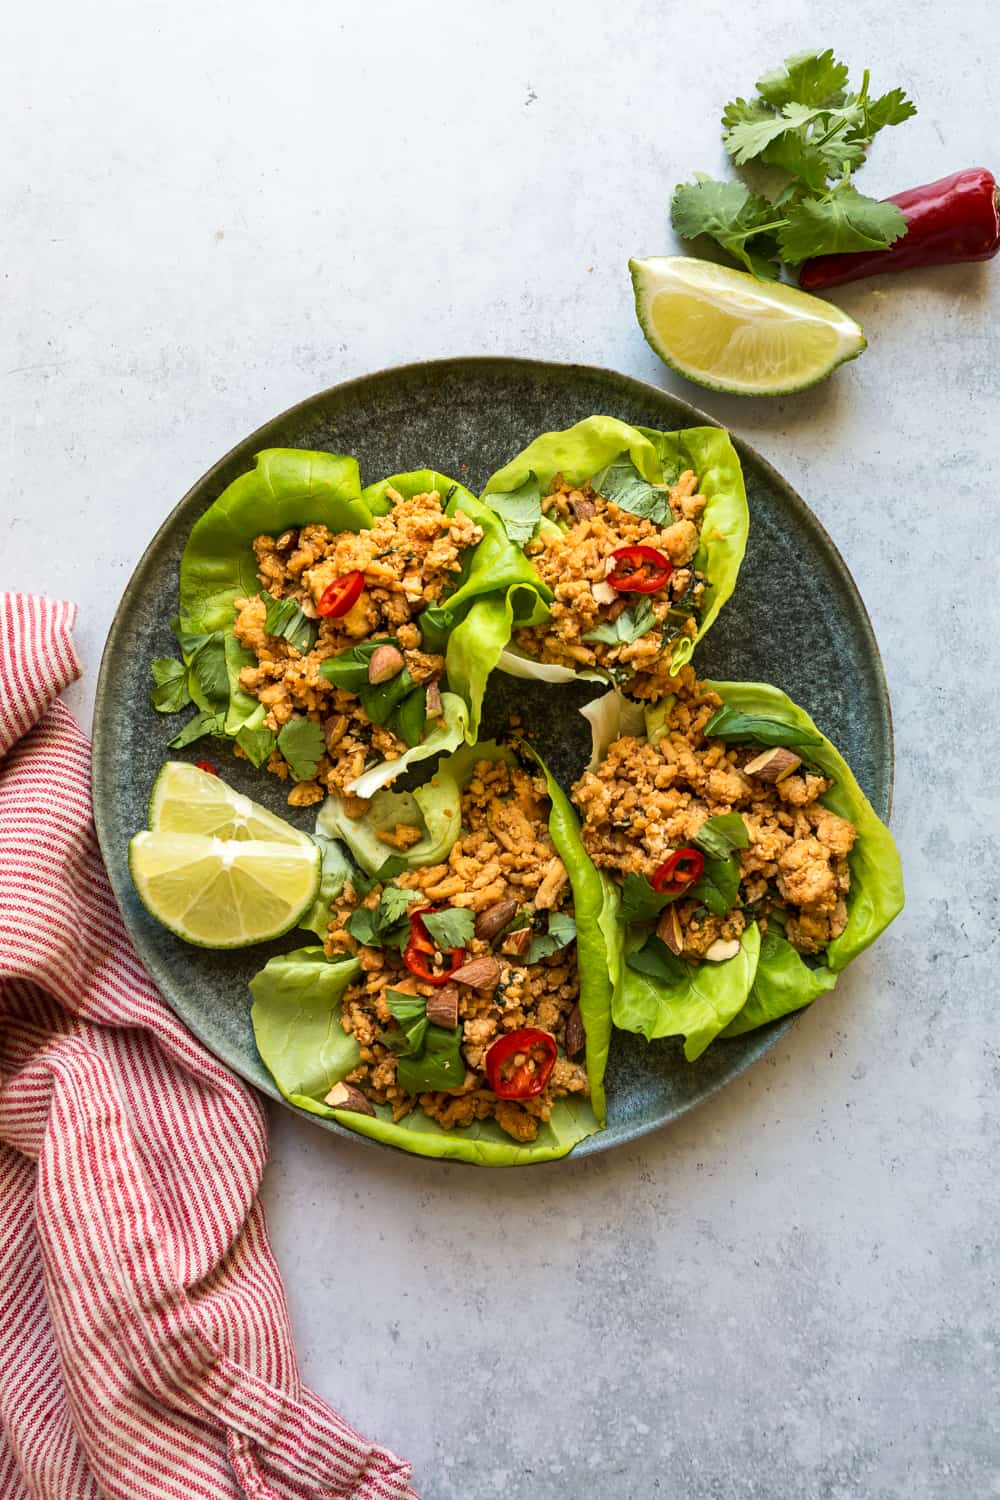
(796, 620)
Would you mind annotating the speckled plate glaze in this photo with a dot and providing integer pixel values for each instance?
(796, 620)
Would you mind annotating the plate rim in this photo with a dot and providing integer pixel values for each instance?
(769, 1036)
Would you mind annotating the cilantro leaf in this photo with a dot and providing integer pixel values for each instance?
(204, 722)
(719, 836)
(257, 744)
(286, 618)
(301, 743)
(561, 932)
(888, 109)
(628, 627)
(750, 138)
(451, 928)
(387, 870)
(841, 220)
(169, 693)
(387, 924)
(621, 484)
(812, 78)
(519, 510)
(719, 886)
(730, 214)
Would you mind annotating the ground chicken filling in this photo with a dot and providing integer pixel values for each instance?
(646, 801)
(575, 565)
(503, 866)
(410, 559)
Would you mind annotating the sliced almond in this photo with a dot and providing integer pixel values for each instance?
(576, 1037)
(517, 943)
(346, 1096)
(604, 592)
(774, 765)
(479, 973)
(494, 919)
(433, 707)
(582, 507)
(385, 663)
(442, 1007)
(668, 930)
(722, 950)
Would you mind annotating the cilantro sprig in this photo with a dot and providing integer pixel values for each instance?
(807, 126)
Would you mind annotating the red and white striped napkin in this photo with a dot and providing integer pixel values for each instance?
(145, 1352)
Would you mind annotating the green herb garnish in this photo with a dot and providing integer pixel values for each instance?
(285, 618)
(451, 928)
(719, 886)
(743, 729)
(560, 933)
(519, 510)
(718, 837)
(628, 627)
(805, 123)
(302, 744)
(623, 485)
(204, 722)
(169, 693)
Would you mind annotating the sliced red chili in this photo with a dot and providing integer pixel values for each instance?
(206, 765)
(422, 956)
(341, 595)
(519, 1065)
(639, 570)
(681, 869)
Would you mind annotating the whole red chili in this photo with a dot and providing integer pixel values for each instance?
(679, 870)
(639, 570)
(340, 595)
(954, 219)
(519, 1065)
(206, 765)
(421, 952)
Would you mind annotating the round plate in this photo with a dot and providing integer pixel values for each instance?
(796, 619)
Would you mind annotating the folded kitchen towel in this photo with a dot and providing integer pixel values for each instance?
(145, 1351)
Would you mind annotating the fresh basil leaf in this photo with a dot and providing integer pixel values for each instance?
(656, 959)
(381, 699)
(195, 729)
(451, 928)
(719, 886)
(743, 729)
(519, 510)
(411, 716)
(640, 903)
(410, 1014)
(561, 932)
(621, 484)
(349, 669)
(719, 836)
(257, 744)
(302, 744)
(169, 693)
(393, 866)
(628, 627)
(286, 618)
(439, 1066)
(361, 925)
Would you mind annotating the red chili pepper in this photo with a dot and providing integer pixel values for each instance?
(954, 219)
(520, 1064)
(681, 869)
(639, 570)
(421, 950)
(340, 595)
(206, 765)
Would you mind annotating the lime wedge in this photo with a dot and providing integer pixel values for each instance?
(724, 329)
(223, 893)
(186, 800)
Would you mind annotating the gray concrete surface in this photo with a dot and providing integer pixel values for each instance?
(211, 210)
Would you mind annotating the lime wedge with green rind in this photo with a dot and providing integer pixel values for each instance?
(187, 800)
(724, 329)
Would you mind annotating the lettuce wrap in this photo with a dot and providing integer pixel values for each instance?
(658, 994)
(297, 996)
(288, 488)
(595, 446)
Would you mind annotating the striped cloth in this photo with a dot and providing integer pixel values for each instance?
(145, 1351)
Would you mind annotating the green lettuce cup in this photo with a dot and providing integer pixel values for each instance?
(289, 489)
(298, 997)
(587, 505)
(794, 874)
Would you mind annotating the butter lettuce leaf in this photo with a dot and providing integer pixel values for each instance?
(698, 1006)
(603, 445)
(783, 983)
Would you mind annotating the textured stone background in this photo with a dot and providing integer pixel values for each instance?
(211, 210)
